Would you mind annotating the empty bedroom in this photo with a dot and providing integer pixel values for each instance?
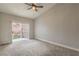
(39, 29)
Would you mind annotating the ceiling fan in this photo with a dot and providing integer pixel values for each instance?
(33, 6)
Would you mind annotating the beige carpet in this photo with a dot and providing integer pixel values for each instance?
(34, 48)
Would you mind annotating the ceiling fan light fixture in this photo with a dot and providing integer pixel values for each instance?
(33, 8)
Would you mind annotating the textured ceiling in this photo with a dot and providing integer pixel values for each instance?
(20, 9)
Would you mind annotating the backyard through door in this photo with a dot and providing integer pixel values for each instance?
(20, 31)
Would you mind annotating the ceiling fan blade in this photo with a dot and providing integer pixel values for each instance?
(40, 6)
(28, 4)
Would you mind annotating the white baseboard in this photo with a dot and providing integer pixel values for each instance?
(65, 46)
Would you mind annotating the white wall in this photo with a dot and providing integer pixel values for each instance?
(59, 25)
(5, 26)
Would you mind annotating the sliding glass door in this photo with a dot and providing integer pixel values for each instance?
(20, 31)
